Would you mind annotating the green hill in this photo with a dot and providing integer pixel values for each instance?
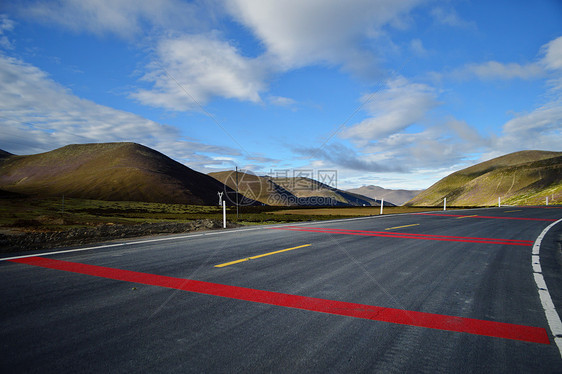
(108, 171)
(525, 177)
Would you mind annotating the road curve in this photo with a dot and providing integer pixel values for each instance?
(443, 292)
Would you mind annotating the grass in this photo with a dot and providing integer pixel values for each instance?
(524, 178)
(52, 214)
(354, 211)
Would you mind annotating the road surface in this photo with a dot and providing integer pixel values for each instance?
(444, 292)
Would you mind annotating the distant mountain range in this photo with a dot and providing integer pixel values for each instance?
(129, 171)
(108, 171)
(525, 177)
(291, 191)
(396, 197)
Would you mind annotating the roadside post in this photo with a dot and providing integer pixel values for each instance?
(445, 204)
(382, 204)
(224, 214)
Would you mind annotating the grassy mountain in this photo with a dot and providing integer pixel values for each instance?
(108, 171)
(291, 191)
(525, 177)
(396, 197)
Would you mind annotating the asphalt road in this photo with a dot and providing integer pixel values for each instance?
(443, 292)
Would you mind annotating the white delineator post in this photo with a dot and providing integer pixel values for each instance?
(382, 204)
(499, 202)
(547, 200)
(445, 204)
(224, 214)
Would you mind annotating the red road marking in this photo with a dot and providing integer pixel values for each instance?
(526, 243)
(375, 313)
(489, 217)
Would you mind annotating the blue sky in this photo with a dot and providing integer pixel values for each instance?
(395, 93)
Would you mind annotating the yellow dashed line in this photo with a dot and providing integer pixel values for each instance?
(259, 256)
(399, 227)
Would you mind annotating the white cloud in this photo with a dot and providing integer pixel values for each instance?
(37, 114)
(542, 127)
(124, 18)
(552, 59)
(6, 24)
(386, 144)
(281, 101)
(194, 68)
(393, 109)
(293, 33)
(552, 62)
(498, 70)
(340, 156)
(549, 61)
(297, 33)
(417, 48)
(402, 160)
(539, 129)
(450, 17)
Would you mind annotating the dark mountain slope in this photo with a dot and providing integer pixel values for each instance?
(108, 171)
(291, 191)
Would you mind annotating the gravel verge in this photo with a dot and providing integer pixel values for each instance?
(34, 240)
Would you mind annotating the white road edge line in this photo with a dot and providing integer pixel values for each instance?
(552, 316)
(142, 241)
(119, 244)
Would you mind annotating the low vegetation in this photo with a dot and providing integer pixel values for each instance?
(55, 214)
(41, 223)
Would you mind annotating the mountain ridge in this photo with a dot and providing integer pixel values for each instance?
(396, 197)
(130, 171)
(291, 191)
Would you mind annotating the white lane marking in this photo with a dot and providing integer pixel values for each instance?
(549, 309)
(539, 280)
(536, 261)
(65, 251)
(121, 244)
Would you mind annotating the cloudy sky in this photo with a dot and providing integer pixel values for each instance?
(395, 93)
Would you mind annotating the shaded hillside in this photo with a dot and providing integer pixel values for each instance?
(525, 177)
(108, 171)
(291, 191)
(396, 197)
(4, 154)
(249, 185)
